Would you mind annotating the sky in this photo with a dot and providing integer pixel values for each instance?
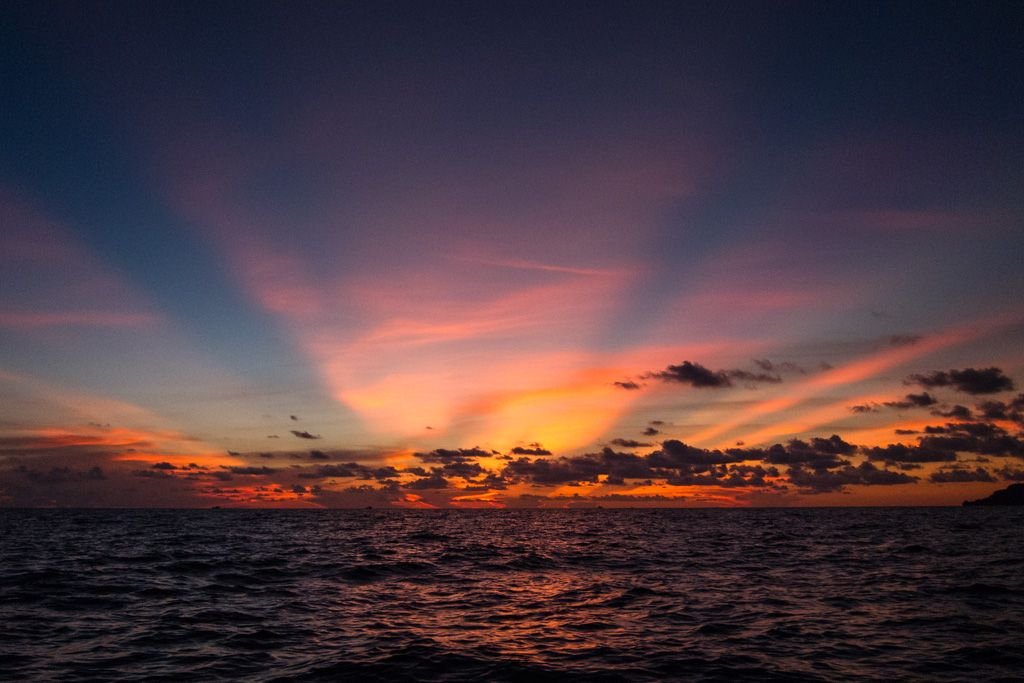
(510, 254)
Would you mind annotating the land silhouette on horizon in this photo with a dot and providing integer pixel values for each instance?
(1011, 495)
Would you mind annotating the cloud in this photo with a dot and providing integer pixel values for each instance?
(1012, 410)
(674, 454)
(698, 376)
(818, 453)
(447, 455)
(825, 481)
(337, 454)
(60, 475)
(978, 437)
(786, 366)
(900, 453)
(351, 469)
(1011, 473)
(678, 464)
(969, 380)
(251, 470)
(961, 475)
(922, 400)
(943, 443)
(651, 431)
(630, 443)
(465, 470)
(898, 340)
(304, 434)
(153, 474)
(957, 412)
(434, 481)
(628, 385)
(535, 450)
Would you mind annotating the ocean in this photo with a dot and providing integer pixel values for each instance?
(931, 594)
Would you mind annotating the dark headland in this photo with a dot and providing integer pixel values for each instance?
(1011, 495)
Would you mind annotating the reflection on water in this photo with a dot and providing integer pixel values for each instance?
(934, 594)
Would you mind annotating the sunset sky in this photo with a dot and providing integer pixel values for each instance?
(510, 254)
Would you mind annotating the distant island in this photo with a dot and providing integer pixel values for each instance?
(1011, 495)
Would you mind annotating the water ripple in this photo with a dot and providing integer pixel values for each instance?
(705, 595)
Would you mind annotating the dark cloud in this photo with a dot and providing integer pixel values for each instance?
(905, 432)
(1011, 473)
(676, 463)
(434, 481)
(628, 385)
(632, 498)
(698, 376)
(727, 476)
(674, 454)
(922, 400)
(651, 431)
(957, 412)
(294, 418)
(381, 473)
(559, 471)
(769, 366)
(163, 466)
(452, 455)
(900, 453)
(302, 434)
(1004, 410)
(337, 455)
(981, 438)
(351, 469)
(817, 454)
(943, 443)
(251, 470)
(630, 443)
(153, 474)
(752, 377)
(535, 450)
(70, 445)
(693, 374)
(810, 480)
(466, 470)
(656, 423)
(904, 339)
(969, 380)
(60, 475)
(961, 475)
